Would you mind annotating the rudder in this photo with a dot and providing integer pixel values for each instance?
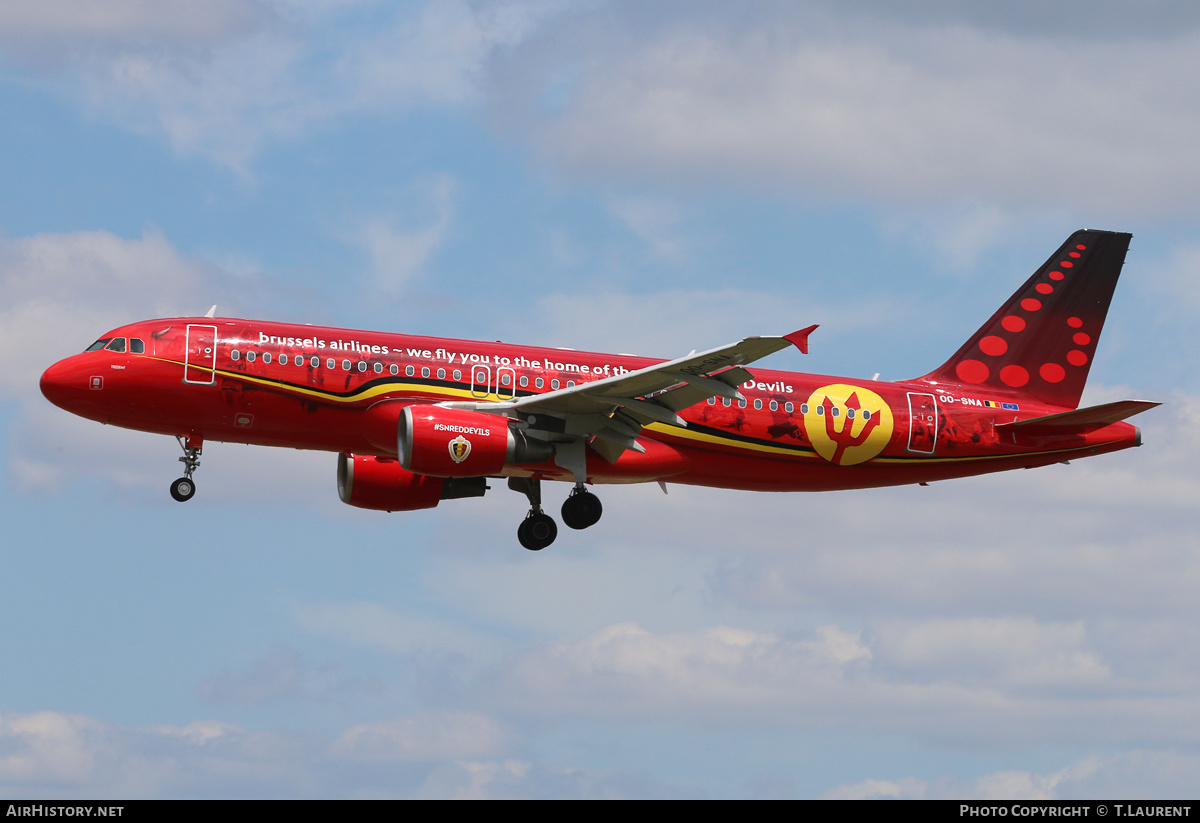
(1041, 342)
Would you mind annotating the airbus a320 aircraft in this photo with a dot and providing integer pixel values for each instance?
(418, 420)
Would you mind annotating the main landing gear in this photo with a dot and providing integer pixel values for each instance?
(184, 488)
(538, 529)
(581, 509)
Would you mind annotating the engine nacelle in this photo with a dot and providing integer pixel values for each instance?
(442, 442)
(383, 484)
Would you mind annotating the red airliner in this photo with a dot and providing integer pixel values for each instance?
(418, 420)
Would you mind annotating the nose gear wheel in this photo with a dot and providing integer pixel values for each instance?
(184, 488)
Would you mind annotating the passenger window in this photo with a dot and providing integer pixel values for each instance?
(726, 401)
(425, 371)
(788, 407)
(137, 345)
(99, 344)
(504, 380)
(250, 356)
(457, 374)
(315, 362)
(758, 403)
(524, 381)
(570, 384)
(539, 382)
(742, 403)
(379, 368)
(235, 355)
(331, 363)
(554, 384)
(774, 405)
(712, 401)
(393, 369)
(345, 365)
(804, 408)
(362, 365)
(410, 371)
(441, 374)
(266, 357)
(283, 359)
(117, 344)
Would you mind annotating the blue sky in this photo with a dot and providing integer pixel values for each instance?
(636, 177)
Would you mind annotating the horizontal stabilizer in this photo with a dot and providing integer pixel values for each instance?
(1080, 421)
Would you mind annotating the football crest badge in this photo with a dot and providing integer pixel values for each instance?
(460, 449)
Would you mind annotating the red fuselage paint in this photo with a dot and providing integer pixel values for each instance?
(338, 390)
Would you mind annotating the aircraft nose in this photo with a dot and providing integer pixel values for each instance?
(61, 382)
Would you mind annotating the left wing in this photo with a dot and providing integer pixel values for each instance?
(608, 414)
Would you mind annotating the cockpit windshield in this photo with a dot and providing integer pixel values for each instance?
(117, 344)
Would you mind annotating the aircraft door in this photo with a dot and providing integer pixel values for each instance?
(200, 358)
(481, 380)
(922, 423)
(506, 382)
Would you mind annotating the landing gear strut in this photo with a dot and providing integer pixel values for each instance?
(184, 488)
(581, 509)
(538, 529)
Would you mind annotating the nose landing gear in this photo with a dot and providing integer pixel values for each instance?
(184, 488)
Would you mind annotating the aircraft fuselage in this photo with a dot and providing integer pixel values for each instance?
(339, 390)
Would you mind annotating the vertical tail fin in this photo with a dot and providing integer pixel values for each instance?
(1040, 343)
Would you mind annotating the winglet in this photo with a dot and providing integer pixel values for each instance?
(799, 339)
(211, 312)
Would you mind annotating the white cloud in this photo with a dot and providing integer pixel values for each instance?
(432, 754)
(1137, 774)
(626, 671)
(672, 322)
(655, 221)
(830, 106)
(224, 79)
(58, 293)
(999, 651)
(909, 788)
(28, 28)
(399, 251)
(61, 291)
(435, 736)
(384, 629)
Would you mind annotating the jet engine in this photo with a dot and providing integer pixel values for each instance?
(442, 442)
(383, 484)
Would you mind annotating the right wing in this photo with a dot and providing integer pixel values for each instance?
(610, 413)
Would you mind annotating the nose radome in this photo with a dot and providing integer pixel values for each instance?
(59, 383)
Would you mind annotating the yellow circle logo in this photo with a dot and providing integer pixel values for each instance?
(847, 424)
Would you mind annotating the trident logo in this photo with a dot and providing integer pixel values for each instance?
(848, 424)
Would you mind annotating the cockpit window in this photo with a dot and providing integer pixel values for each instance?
(137, 345)
(99, 344)
(117, 344)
